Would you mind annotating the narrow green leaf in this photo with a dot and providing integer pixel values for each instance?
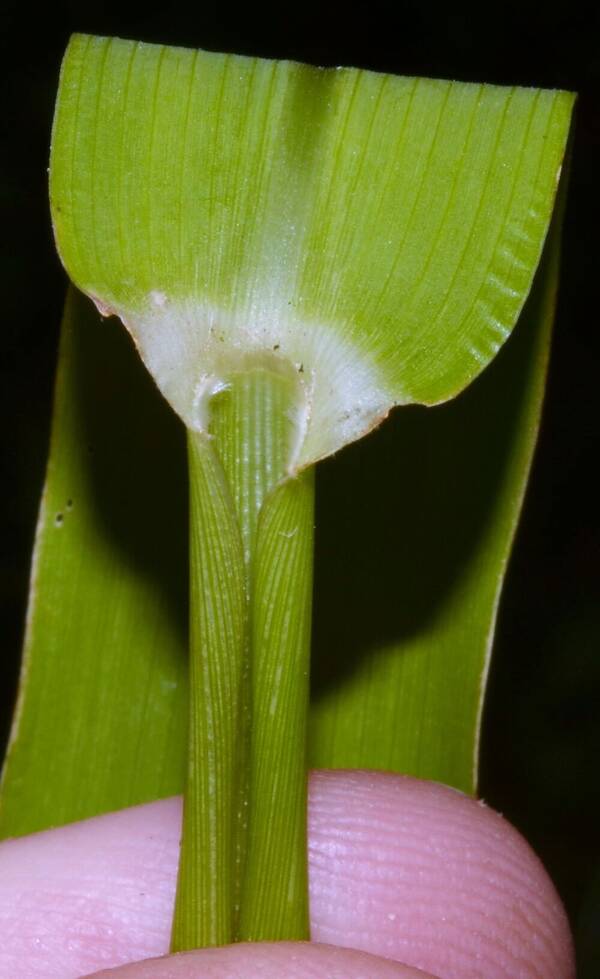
(100, 722)
(404, 635)
(380, 233)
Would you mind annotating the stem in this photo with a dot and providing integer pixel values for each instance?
(275, 894)
(243, 869)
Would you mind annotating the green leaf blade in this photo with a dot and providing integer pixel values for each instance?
(409, 691)
(101, 715)
(381, 231)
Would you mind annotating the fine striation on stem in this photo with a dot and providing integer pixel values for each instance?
(251, 588)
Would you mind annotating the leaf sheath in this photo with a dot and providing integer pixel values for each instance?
(251, 557)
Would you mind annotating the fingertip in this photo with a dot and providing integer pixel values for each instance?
(282, 960)
(400, 868)
(422, 873)
(91, 893)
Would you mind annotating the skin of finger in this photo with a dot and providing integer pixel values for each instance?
(409, 870)
(420, 873)
(284, 960)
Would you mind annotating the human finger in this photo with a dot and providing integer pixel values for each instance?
(283, 960)
(410, 870)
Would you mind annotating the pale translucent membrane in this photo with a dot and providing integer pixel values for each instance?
(191, 347)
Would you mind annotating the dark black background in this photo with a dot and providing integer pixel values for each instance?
(542, 731)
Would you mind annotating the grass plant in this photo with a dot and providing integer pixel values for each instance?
(295, 252)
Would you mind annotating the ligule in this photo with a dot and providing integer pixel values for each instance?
(251, 589)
